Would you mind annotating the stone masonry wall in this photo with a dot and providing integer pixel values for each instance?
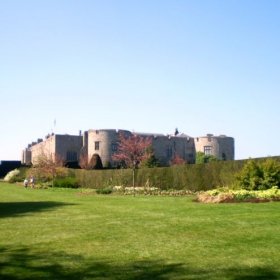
(102, 142)
(221, 146)
(68, 143)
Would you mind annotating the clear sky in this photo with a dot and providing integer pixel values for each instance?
(203, 66)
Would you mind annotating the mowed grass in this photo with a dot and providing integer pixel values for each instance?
(57, 234)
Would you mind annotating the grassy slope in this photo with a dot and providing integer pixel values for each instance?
(55, 234)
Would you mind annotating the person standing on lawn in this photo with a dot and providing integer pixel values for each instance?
(25, 182)
(32, 182)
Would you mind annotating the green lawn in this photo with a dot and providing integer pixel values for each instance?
(56, 234)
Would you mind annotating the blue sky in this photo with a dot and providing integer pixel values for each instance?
(204, 66)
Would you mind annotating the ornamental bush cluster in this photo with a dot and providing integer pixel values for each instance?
(104, 191)
(258, 175)
(226, 194)
(67, 182)
(11, 176)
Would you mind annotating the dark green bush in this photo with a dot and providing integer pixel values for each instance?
(202, 158)
(270, 173)
(22, 174)
(258, 175)
(104, 191)
(67, 182)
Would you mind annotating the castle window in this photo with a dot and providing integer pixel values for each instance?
(72, 156)
(169, 152)
(114, 147)
(96, 145)
(207, 150)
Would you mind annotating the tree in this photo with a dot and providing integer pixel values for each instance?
(258, 175)
(202, 158)
(84, 162)
(176, 160)
(152, 161)
(94, 163)
(48, 166)
(250, 177)
(271, 173)
(132, 150)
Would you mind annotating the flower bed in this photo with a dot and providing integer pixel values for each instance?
(119, 190)
(226, 195)
(151, 191)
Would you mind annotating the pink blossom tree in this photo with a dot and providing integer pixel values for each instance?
(88, 163)
(176, 160)
(132, 149)
(49, 166)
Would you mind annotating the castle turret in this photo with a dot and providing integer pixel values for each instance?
(221, 146)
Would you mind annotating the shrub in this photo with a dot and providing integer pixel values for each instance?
(66, 183)
(151, 191)
(152, 161)
(11, 177)
(16, 175)
(226, 194)
(104, 191)
(207, 197)
(270, 173)
(202, 158)
(258, 175)
(22, 173)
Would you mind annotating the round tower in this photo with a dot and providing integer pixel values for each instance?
(104, 143)
(221, 146)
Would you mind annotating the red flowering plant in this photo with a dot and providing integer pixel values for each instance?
(132, 150)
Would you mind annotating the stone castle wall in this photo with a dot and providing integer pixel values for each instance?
(53, 144)
(47, 147)
(184, 147)
(104, 142)
(68, 146)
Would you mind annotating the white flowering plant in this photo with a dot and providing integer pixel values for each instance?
(11, 175)
(151, 191)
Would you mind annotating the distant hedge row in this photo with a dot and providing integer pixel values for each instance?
(194, 177)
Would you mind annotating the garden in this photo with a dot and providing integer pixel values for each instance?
(61, 230)
(216, 182)
(55, 233)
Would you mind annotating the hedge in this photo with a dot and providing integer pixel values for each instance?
(195, 177)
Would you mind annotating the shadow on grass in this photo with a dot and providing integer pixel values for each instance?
(21, 264)
(15, 209)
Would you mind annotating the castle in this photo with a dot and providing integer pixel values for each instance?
(104, 142)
